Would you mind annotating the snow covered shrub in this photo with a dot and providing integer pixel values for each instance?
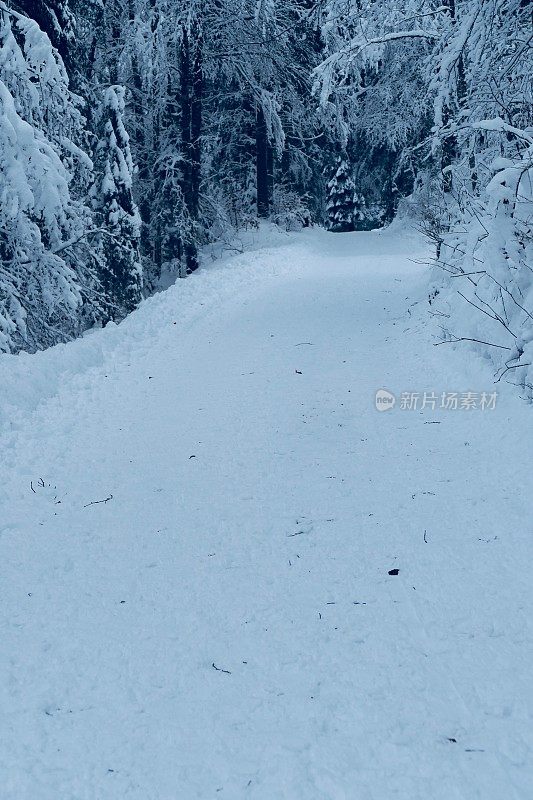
(484, 125)
(42, 220)
(487, 263)
(428, 209)
(289, 210)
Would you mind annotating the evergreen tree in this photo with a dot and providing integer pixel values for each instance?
(56, 20)
(47, 281)
(121, 275)
(341, 198)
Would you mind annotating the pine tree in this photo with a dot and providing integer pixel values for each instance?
(341, 198)
(55, 18)
(46, 267)
(121, 275)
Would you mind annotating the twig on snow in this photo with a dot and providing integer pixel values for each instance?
(467, 339)
(96, 502)
(219, 669)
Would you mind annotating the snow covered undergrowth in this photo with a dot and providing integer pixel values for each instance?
(224, 624)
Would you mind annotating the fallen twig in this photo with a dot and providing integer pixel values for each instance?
(96, 502)
(467, 339)
(219, 669)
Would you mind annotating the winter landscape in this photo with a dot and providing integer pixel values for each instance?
(266, 376)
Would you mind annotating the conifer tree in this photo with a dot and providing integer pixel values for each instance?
(121, 275)
(56, 20)
(341, 197)
(46, 268)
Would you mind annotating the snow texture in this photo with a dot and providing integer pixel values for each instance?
(201, 508)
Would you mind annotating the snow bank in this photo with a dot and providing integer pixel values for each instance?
(27, 380)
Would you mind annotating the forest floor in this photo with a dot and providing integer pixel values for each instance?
(200, 512)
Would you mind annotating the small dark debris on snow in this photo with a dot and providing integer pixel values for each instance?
(122, 602)
(394, 571)
(426, 537)
(219, 669)
(191, 457)
(451, 739)
(298, 372)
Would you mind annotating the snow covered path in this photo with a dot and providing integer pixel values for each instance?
(225, 626)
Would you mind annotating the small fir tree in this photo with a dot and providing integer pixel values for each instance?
(341, 198)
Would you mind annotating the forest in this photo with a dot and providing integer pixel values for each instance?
(135, 132)
(266, 389)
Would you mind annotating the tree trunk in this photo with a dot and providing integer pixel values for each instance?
(261, 153)
(139, 136)
(191, 95)
(196, 142)
(450, 147)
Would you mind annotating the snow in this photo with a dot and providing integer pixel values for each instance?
(225, 624)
